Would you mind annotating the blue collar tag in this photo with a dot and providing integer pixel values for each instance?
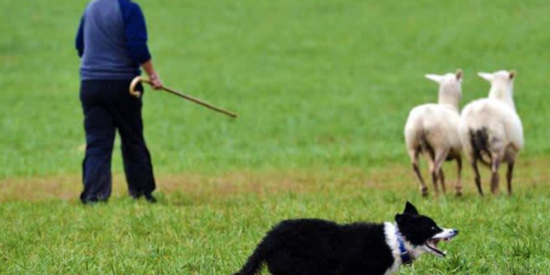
(405, 256)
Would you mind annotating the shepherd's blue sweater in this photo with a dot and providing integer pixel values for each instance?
(112, 40)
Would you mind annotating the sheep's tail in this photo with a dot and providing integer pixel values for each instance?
(419, 137)
(424, 145)
(480, 145)
(254, 263)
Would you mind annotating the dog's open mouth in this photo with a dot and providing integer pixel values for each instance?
(432, 244)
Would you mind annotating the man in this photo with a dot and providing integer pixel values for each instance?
(112, 43)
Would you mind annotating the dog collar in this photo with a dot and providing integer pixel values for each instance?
(406, 258)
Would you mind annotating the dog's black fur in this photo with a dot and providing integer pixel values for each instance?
(319, 247)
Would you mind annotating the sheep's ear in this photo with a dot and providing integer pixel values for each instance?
(459, 75)
(513, 74)
(434, 77)
(487, 76)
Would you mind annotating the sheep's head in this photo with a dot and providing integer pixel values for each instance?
(502, 84)
(504, 77)
(450, 87)
(447, 79)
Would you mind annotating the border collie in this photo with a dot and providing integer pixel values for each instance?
(319, 247)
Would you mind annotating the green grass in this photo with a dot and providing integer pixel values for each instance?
(322, 89)
(213, 231)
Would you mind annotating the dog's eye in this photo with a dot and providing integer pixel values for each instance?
(433, 228)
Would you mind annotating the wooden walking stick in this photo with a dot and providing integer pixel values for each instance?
(139, 79)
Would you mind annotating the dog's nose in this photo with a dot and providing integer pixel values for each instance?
(455, 231)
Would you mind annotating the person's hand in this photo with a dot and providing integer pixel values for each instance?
(156, 82)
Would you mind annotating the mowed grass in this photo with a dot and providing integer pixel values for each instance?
(322, 89)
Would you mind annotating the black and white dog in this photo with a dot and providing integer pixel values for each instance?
(319, 247)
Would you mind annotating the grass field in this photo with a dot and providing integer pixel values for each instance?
(323, 88)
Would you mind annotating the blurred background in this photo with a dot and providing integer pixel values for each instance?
(316, 83)
(322, 88)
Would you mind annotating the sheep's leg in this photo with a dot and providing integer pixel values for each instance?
(509, 176)
(434, 181)
(423, 187)
(458, 186)
(414, 154)
(477, 176)
(442, 180)
(436, 170)
(494, 177)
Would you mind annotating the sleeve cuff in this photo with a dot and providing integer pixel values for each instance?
(139, 53)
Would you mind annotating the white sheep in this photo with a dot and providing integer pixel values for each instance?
(432, 130)
(491, 130)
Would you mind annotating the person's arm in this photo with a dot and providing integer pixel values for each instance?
(153, 76)
(79, 44)
(136, 40)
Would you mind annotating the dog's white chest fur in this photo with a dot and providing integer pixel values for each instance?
(391, 239)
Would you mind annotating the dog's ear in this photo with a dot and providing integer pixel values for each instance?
(402, 219)
(410, 209)
(399, 218)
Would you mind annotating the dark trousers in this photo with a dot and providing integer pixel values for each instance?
(109, 107)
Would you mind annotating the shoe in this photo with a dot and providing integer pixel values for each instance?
(135, 195)
(89, 201)
(92, 201)
(150, 198)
